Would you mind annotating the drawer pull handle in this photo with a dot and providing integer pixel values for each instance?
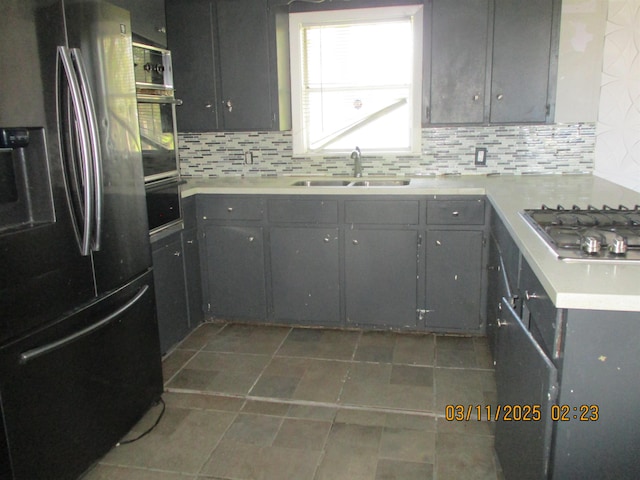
(190, 242)
(455, 214)
(326, 239)
(438, 242)
(530, 296)
(355, 242)
(251, 239)
(176, 254)
(230, 209)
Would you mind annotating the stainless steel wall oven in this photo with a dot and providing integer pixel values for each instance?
(158, 135)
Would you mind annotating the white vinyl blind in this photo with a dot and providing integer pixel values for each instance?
(357, 79)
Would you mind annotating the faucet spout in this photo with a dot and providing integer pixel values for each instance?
(356, 156)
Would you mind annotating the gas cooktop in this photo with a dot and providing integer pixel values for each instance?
(589, 234)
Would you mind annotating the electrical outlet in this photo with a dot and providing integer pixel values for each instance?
(481, 156)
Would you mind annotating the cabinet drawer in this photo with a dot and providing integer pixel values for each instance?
(543, 314)
(455, 212)
(303, 210)
(392, 212)
(230, 208)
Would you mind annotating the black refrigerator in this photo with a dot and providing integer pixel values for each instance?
(80, 359)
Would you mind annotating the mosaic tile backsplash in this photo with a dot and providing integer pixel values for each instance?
(512, 149)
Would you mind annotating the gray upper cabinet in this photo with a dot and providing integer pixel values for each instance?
(491, 61)
(522, 52)
(225, 68)
(459, 42)
(245, 65)
(148, 23)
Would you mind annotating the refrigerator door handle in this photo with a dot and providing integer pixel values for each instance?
(94, 139)
(49, 347)
(86, 210)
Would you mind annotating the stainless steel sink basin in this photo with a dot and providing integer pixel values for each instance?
(321, 183)
(381, 183)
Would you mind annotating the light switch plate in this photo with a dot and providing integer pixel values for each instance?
(481, 156)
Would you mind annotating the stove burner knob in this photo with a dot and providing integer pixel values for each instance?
(618, 245)
(591, 244)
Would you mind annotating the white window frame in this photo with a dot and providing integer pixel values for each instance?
(298, 21)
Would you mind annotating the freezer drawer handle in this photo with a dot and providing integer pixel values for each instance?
(43, 350)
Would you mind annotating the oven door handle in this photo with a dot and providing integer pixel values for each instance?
(49, 347)
(168, 99)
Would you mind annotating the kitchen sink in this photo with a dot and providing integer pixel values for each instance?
(350, 183)
(381, 183)
(321, 183)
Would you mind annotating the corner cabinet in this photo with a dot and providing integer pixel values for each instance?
(579, 367)
(225, 66)
(492, 61)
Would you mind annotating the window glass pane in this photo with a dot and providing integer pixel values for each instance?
(356, 80)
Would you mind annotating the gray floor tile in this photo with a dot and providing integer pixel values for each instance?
(301, 434)
(253, 429)
(253, 462)
(464, 456)
(353, 463)
(401, 470)
(265, 402)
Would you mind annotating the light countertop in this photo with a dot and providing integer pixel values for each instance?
(591, 285)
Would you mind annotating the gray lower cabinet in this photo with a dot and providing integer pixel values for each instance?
(453, 279)
(305, 278)
(170, 288)
(235, 271)
(193, 277)
(526, 381)
(381, 277)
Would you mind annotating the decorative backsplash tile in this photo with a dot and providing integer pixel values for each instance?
(512, 149)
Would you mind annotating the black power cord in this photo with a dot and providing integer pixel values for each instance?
(124, 442)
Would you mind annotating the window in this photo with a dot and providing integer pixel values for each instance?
(356, 80)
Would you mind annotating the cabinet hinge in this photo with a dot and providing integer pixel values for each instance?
(208, 307)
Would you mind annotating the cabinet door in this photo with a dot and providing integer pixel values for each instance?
(191, 41)
(305, 274)
(521, 55)
(524, 376)
(192, 276)
(235, 271)
(245, 64)
(381, 277)
(459, 42)
(453, 279)
(148, 23)
(171, 295)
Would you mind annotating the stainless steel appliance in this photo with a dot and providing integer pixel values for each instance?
(158, 133)
(79, 349)
(589, 234)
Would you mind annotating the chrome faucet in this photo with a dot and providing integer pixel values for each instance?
(356, 156)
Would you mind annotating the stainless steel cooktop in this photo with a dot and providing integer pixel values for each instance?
(589, 234)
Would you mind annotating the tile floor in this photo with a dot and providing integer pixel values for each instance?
(282, 403)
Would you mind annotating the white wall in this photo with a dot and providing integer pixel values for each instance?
(617, 155)
(582, 29)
